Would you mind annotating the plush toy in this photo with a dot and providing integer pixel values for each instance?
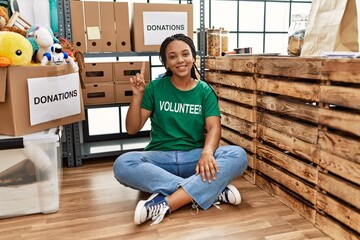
(4, 19)
(70, 49)
(57, 57)
(15, 49)
(41, 39)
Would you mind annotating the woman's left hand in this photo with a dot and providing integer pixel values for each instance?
(207, 167)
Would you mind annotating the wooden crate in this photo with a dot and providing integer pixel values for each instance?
(338, 200)
(286, 153)
(299, 121)
(231, 64)
(234, 84)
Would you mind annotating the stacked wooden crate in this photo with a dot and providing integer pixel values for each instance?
(233, 81)
(302, 132)
(287, 130)
(338, 198)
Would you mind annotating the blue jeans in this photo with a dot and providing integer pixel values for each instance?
(165, 171)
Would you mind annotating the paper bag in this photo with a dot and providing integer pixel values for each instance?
(332, 26)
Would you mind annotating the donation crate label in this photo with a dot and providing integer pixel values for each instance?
(54, 97)
(160, 25)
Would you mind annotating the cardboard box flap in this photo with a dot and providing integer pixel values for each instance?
(3, 74)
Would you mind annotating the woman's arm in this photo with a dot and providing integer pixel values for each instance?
(137, 116)
(207, 166)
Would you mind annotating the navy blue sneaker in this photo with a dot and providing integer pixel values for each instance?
(154, 208)
(230, 195)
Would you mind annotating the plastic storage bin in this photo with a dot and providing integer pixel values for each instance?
(30, 173)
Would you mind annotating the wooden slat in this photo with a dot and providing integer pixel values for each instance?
(302, 131)
(223, 143)
(333, 229)
(339, 145)
(249, 175)
(241, 97)
(344, 214)
(300, 169)
(341, 70)
(237, 110)
(340, 166)
(288, 108)
(298, 206)
(288, 143)
(245, 64)
(289, 182)
(238, 140)
(305, 91)
(232, 80)
(341, 96)
(341, 189)
(345, 121)
(309, 68)
(251, 160)
(240, 125)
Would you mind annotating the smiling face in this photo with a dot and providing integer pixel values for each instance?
(179, 58)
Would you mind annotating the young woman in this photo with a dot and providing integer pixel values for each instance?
(183, 163)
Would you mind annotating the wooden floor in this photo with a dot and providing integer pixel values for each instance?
(93, 205)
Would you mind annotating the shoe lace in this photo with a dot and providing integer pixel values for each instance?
(158, 212)
(217, 205)
(222, 196)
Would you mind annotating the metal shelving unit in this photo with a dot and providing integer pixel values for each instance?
(68, 137)
(77, 151)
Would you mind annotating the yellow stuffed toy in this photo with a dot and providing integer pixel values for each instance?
(15, 49)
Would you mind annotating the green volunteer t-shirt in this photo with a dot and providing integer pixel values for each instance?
(178, 117)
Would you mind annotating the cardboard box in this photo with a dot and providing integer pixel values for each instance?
(123, 43)
(123, 71)
(108, 34)
(92, 26)
(123, 92)
(98, 72)
(77, 25)
(100, 26)
(153, 22)
(30, 173)
(20, 109)
(99, 93)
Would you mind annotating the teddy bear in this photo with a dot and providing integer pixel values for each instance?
(4, 19)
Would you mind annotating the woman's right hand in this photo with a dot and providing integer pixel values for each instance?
(138, 82)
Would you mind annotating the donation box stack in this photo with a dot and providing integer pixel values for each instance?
(35, 102)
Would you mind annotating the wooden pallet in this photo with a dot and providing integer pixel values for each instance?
(338, 199)
(299, 121)
(237, 100)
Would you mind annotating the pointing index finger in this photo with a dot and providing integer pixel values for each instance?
(142, 71)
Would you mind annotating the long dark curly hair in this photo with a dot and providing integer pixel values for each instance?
(183, 38)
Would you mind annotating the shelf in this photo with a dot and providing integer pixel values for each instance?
(112, 147)
(120, 54)
(74, 149)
